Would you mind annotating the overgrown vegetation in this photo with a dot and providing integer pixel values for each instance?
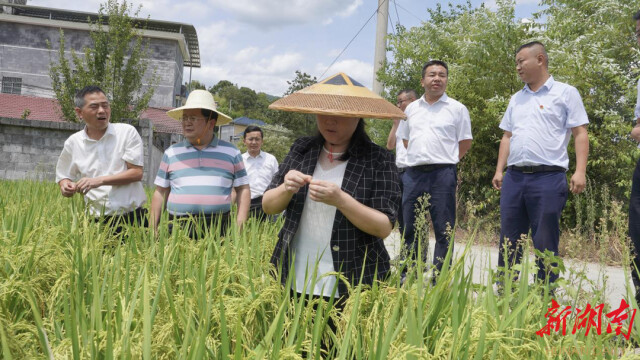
(591, 46)
(117, 60)
(68, 289)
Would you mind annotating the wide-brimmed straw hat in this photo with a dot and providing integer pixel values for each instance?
(200, 99)
(338, 95)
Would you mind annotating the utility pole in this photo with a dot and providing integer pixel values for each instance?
(381, 43)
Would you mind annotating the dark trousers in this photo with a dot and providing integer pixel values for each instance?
(531, 201)
(634, 228)
(440, 184)
(255, 209)
(199, 225)
(400, 213)
(118, 222)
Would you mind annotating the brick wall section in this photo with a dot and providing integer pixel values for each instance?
(30, 148)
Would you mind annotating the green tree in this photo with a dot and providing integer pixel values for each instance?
(301, 81)
(277, 141)
(478, 45)
(117, 61)
(299, 124)
(195, 85)
(592, 46)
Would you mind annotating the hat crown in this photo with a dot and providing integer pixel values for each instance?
(202, 99)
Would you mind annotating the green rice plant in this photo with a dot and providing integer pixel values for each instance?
(69, 289)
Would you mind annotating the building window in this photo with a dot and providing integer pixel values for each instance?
(11, 85)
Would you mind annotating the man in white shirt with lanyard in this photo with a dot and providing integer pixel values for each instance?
(634, 201)
(104, 163)
(260, 165)
(538, 124)
(437, 136)
(405, 97)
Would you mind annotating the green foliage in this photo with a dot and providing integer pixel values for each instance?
(117, 61)
(299, 124)
(196, 85)
(277, 141)
(591, 46)
(237, 102)
(69, 289)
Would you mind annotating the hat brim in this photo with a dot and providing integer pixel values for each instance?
(177, 114)
(338, 105)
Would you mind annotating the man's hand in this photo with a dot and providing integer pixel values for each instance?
(497, 180)
(294, 180)
(85, 184)
(578, 182)
(67, 187)
(326, 192)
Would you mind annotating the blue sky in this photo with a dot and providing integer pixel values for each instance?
(261, 43)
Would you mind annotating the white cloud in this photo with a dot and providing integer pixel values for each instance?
(261, 69)
(278, 13)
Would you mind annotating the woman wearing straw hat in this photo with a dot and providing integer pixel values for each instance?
(196, 176)
(339, 189)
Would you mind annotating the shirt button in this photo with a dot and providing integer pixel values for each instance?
(336, 248)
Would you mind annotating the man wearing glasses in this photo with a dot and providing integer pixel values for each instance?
(196, 176)
(104, 163)
(405, 97)
(634, 203)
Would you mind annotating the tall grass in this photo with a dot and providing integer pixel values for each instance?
(70, 290)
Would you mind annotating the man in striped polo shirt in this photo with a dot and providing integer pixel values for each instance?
(196, 176)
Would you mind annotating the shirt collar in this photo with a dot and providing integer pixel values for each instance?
(444, 98)
(260, 155)
(110, 131)
(547, 84)
(213, 143)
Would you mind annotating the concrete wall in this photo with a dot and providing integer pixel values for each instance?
(30, 148)
(24, 53)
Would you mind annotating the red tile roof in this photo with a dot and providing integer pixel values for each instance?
(14, 106)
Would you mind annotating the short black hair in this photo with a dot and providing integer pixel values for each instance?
(532, 44)
(636, 16)
(409, 92)
(434, 62)
(209, 114)
(79, 98)
(252, 128)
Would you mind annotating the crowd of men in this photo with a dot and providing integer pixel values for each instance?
(203, 176)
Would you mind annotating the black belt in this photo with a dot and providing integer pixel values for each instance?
(537, 168)
(401, 170)
(256, 201)
(431, 167)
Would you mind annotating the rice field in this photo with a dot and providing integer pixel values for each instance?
(71, 290)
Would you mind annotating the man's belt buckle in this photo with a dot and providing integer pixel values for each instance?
(527, 169)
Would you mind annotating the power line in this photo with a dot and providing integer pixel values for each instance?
(350, 41)
(393, 30)
(410, 13)
(395, 4)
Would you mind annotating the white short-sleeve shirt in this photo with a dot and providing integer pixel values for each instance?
(84, 157)
(540, 123)
(434, 131)
(401, 151)
(261, 170)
